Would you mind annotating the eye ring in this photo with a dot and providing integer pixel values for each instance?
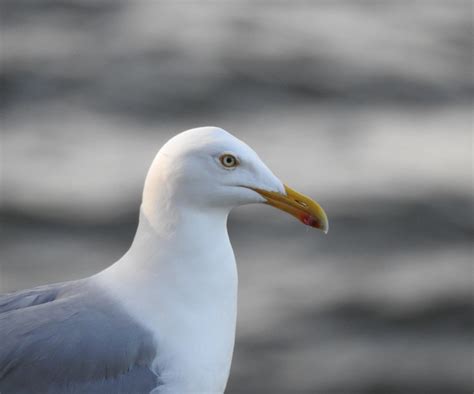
(229, 161)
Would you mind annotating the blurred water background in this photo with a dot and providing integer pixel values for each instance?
(364, 105)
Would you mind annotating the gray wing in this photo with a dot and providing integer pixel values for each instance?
(36, 296)
(72, 338)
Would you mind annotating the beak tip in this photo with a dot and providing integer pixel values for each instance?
(324, 228)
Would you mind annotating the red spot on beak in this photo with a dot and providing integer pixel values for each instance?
(310, 221)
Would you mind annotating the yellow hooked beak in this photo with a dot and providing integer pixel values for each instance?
(300, 206)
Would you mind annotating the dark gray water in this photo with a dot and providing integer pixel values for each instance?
(366, 106)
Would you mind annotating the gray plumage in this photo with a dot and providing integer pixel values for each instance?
(72, 338)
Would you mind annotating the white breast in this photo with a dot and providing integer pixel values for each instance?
(187, 296)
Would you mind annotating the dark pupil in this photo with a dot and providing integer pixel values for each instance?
(229, 160)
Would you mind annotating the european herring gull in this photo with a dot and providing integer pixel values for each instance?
(162, 318)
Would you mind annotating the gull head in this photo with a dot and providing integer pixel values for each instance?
(207, 168)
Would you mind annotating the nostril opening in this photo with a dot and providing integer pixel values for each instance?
(302, 203)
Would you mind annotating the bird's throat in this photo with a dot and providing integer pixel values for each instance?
(183, 288)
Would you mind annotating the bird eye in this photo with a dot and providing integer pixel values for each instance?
(228, 160)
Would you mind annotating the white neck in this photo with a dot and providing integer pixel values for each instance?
(179, 279)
